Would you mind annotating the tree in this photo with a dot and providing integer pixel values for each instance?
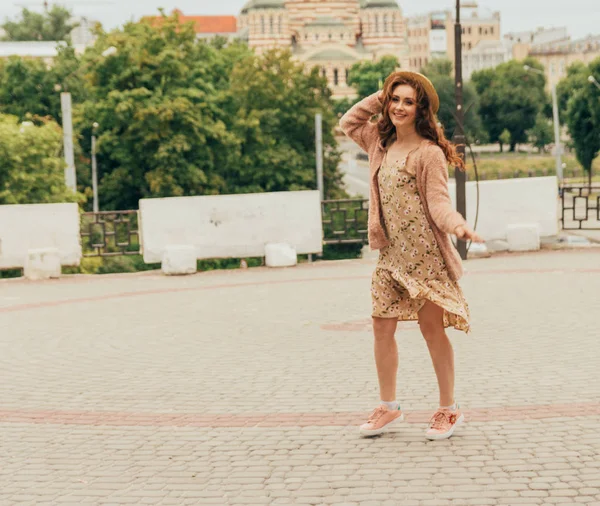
(583, 115)
(28, 88)
(438, 66)
(504, 138)
(541, 134)
(366, 77)
(272, 103)
(511, 98)
(183, 117)
(439, 71)
(52, 25)
(31, 168)
(576, 78)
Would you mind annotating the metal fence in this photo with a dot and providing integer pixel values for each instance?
(345, 221)
(110, 233)
(580, 206)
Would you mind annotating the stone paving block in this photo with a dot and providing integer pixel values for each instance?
(155, 409)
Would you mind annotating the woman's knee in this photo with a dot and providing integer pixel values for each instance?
(384, 328)
(432, 330)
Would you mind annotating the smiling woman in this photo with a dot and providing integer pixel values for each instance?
(410, 219)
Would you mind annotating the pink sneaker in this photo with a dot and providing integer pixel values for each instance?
(381, 418)
(443, 423)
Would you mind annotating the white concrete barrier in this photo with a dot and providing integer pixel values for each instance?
(43, 263)
(511, 202)
(36, 226)
(179, 259)
(280, 255)
(523, 237)
(230, 226)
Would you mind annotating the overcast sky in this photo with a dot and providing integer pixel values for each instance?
(581, 17)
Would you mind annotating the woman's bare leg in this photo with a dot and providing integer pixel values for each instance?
(386, 356)
(431, 322)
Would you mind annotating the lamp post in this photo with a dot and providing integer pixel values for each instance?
(558, 146)
(593, 80)
(96, 206)
(459, 137)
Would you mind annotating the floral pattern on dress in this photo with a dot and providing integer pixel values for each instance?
(411, 269)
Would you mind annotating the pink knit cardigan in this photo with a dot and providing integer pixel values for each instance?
(431, 168)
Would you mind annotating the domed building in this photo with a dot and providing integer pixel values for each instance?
(330, 34)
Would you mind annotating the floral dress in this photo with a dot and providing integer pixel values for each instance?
(411, 270)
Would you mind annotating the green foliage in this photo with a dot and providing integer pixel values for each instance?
(29, 89)
(367, 77)
(271, 107)
(576, 78)
(581, 103)
(179, 117)
(53, 24)
(439, 71)
(31, 166)
(541, 134)
(342, 105)
(438, 66)
(504, 137)
(510, 98)
(182, 117)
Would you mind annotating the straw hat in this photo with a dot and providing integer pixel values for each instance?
(434, 99)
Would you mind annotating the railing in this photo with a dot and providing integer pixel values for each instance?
(110, 233)
(580, 206)
(345, 221)
(113, 233)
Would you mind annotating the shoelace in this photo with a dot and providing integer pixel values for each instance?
(377, 414)
(438, 420)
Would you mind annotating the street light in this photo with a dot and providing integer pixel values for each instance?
(558, 147)
(593, 80)
(96, 206)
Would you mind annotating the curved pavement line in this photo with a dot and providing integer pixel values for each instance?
(283, 420)
(157, 291)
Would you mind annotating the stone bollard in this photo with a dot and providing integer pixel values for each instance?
(280, 255)
(179, 259)
(43, 263)
(523, 237)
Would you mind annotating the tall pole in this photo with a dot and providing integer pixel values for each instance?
(67, 123)
(96, 206)
(557, 144)
(556, 121)
(319, 147)
(459, 137)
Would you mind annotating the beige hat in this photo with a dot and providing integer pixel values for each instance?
(434, 99)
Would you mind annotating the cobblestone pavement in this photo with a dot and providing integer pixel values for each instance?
(246, 387)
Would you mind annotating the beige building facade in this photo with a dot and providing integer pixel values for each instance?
(432, 35)
(330, 34)
(558, 56)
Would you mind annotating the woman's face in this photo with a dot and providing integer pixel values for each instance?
(403, 106)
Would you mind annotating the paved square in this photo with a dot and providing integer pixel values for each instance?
(247, 386)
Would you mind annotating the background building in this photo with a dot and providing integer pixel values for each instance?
(206, 27)
(432, 35)
(485, 55)
(330, 34)
(558, 56)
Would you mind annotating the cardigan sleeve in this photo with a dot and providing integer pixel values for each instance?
(435, 168)
(356, 122)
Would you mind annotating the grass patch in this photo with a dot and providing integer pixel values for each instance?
(515, 165)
